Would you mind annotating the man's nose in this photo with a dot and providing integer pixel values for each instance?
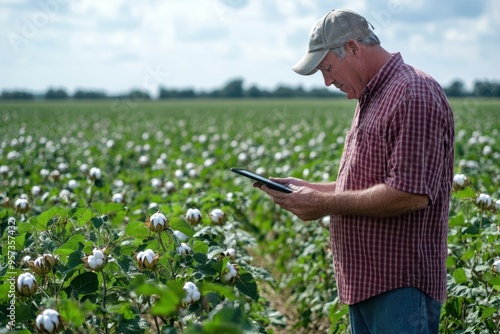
(328, 79)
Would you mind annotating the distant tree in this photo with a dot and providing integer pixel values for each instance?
(284, 91)
(254, 91)
(16, 95)
(486, 89)
(455, 89)
(176, 94)
(138, 95)
(56, 94)
(81, 94)
(233, 89)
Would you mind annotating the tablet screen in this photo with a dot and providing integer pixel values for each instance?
(262, 179)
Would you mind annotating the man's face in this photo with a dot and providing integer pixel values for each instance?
(342, 74)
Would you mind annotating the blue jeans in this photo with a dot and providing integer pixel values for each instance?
(400, 311)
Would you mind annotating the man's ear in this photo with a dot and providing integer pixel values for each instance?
(352, 47)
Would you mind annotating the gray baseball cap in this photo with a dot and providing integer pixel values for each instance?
(331, 31)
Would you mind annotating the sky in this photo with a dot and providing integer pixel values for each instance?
(119, 45)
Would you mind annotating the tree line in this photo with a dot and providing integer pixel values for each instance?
(235, 89)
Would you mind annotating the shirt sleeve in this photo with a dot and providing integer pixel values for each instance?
(417, 147)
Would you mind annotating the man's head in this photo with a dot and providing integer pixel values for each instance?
(332, 32)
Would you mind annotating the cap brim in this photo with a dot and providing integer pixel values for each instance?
(309, 63)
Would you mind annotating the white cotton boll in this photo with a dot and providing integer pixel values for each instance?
(117, 198)
(156, 183)
(487, 150)
(184, 249)
(226, 277)
(158, 219)
(98, 253)
(48, 325)
(39, 320)
(459, 179)
(170, 186)
(217, 216)
(193, 216)
(496, 266)
(196, 296)
(181, 236)
(95, 173)
(189, 287)
(36, 190)
(99, 261)
(149, 252)
(91, 261)
(483, 201)
(231, 252)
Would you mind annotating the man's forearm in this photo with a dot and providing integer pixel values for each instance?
(377, 201)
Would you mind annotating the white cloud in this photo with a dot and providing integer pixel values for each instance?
(203, 43)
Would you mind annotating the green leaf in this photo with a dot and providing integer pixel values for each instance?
(85, 283)
(24, 228)
(487, 312)
(75, 259)
(124, 309)
(200, 247)
(170, 299)
(24, 312)
(100, 207)
(148, 289)
(83, 216)
(99, 221)
(70, 311)
(465, 193)
(460, 276)
(114, 207)
(247, 285)
(136, 229)
(72, 244)
(469, 254)
(200, 258)
(223, 290)
(494, 281)
(457, 220)
(181, 225)
(45, 217)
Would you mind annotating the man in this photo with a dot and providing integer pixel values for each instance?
(389, 205)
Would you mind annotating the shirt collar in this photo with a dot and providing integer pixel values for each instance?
(383, 76)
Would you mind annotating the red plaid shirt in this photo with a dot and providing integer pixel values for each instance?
(402, 135)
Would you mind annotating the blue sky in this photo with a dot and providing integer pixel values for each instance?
(117, 45)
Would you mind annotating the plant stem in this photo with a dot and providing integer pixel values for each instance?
(105, 318)
(172, 273)
(154, 316)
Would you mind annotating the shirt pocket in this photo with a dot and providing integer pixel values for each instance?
(369, 157)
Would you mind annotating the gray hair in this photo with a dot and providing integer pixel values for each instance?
(370, 40)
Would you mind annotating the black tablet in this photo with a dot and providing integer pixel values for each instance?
(262, 179)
